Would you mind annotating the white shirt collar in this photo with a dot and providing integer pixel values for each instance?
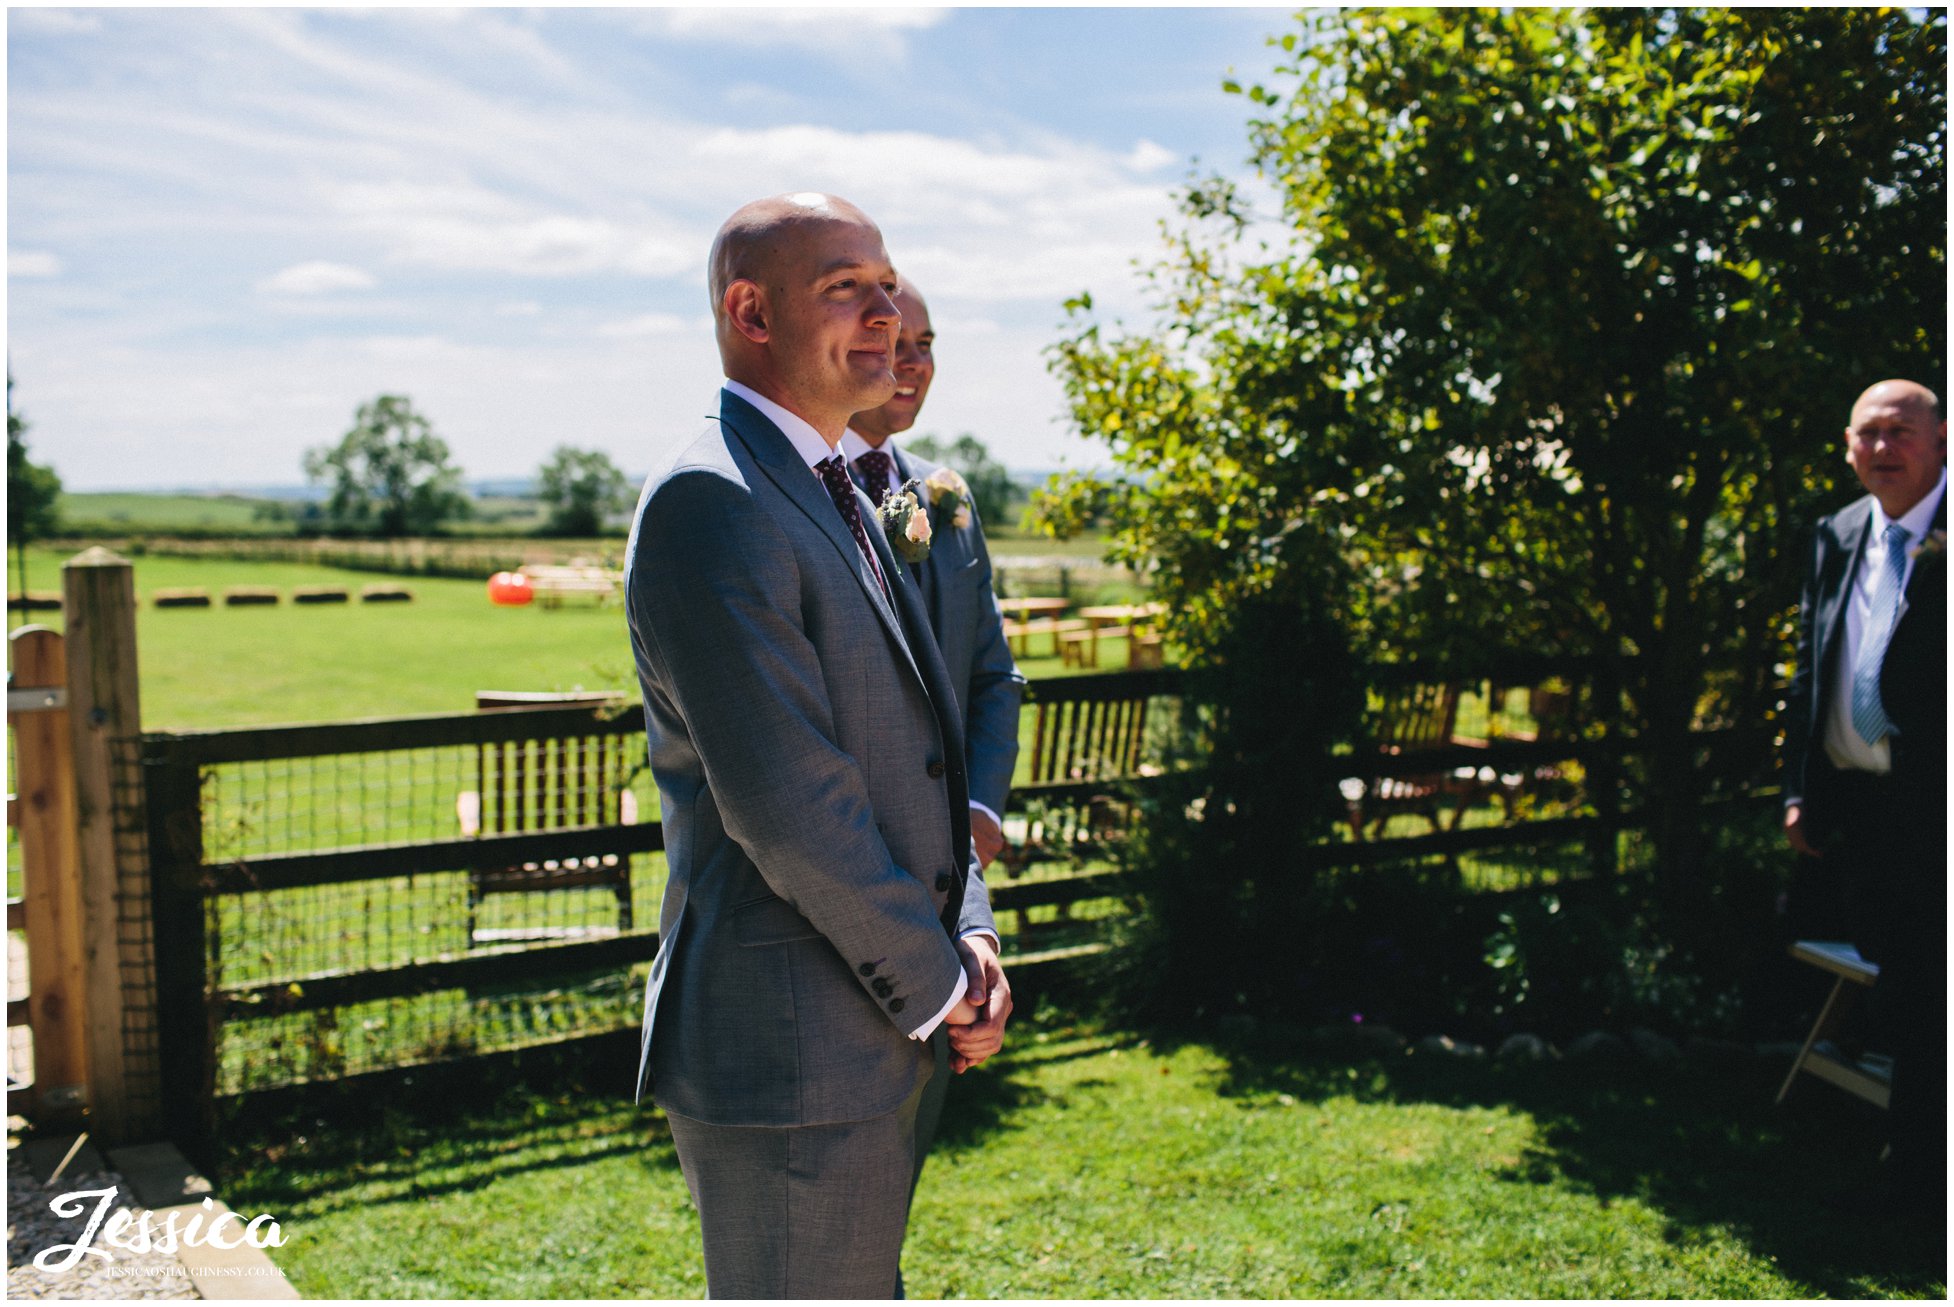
(807, 442)
(1917, 520)
(854, 445)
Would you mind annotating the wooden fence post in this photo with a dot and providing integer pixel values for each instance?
(187, 1025)
(105, 723)
(51, 878)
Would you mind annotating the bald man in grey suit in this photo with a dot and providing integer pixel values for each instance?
(823, 914)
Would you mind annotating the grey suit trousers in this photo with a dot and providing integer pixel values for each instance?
(767, 1209)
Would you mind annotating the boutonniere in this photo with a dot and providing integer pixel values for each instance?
(906, 524)
(949, 499)
(1933, 546)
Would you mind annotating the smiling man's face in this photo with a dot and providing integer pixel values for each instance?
(832, 328)
(1896, 444)
(915, 368)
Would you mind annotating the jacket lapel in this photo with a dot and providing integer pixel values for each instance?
(777, 457)
(1930, 562)
(1851, 530)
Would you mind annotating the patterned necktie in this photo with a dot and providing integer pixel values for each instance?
(834, 475)
(1868, 712)
(877, 471)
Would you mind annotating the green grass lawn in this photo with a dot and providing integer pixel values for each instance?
(1094, 1163)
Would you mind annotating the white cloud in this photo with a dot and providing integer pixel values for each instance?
(32, 263)
(646, 324)
(315, 278)
(51, 22)
(1150, 157)
(880, 33)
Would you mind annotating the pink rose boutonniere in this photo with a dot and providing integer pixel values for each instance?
(949, 499)
(906, 524)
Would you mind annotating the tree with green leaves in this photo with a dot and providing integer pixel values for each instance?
(33, 492)
(581, 487)
(1553, 340)
(991, 486)
(390, 475)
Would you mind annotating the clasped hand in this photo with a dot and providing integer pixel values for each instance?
(977, 1021)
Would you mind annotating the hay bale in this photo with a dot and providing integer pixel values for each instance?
(182, 597)
(386, 594)
(320, 594)
(36, 601)
(238, 596)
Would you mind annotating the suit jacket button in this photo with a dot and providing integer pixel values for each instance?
(867, 968)
(882, 987)
(943, 880)
(936, 771)
(895, 1005)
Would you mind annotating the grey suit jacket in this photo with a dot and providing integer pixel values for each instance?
(810, 773)
(956, 583)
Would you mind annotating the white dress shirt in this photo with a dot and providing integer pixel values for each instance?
(813, 446)
(1842, 743)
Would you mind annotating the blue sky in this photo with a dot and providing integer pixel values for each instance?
(228, 227)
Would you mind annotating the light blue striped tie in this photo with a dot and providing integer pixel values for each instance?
(1868, 713)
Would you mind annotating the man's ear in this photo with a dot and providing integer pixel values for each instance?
(746, 309)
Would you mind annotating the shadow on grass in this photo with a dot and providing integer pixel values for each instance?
(1703, 1145)
(431, 1130)
(985, 1102)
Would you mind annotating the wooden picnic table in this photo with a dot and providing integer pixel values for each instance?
(1111, 620)
(1027, 615)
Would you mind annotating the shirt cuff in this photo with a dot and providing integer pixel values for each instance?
(985, 809)
(928, 1028)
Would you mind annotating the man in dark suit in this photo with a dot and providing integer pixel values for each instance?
(822, 915)
(955, 580)
(1865, 752)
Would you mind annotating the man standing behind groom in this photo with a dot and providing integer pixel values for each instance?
(955, 581)
(822, 916)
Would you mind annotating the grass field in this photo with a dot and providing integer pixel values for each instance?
(220, 666)
(1097, 1163)
(161, 513)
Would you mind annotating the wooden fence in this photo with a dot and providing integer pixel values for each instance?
(276, 905)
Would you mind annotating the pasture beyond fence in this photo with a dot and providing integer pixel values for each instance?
(347, 897)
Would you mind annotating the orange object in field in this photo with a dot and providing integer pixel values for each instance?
(510, 588)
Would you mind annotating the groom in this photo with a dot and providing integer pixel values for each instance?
(822, 915)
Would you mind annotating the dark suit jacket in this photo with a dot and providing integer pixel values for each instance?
(956, 583)
(809, 760)
(1912, 678)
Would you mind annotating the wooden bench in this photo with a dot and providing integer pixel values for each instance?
(1853, 974)
(1088, 745)
(560, 785)
(1414, 719)
(1018, 634)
